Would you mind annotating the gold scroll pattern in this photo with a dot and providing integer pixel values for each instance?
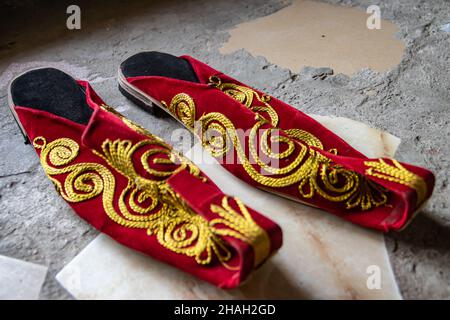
(150, 203)
(248, 96)
(311, 171)
(397, 173)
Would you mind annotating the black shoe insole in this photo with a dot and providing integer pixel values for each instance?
(153, 63)
(54, 91)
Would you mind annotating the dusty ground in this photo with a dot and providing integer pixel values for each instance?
(411, 101)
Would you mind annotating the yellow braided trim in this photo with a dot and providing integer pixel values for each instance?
(148, 203)
(313, 172)
(398, 174)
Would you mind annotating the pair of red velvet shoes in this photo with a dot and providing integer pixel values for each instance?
(134, 187)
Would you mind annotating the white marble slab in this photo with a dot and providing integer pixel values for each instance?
(20, 280)
(372, 142)
(322, 256)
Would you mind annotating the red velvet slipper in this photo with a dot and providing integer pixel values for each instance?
(284, 151)
(133, 186)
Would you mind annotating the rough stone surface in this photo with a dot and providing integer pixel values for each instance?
(411, 101)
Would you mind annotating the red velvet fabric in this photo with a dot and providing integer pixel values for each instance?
(402, 200)
(289, 117)
(198, 194)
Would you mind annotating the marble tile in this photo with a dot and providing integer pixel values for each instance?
(20, 280)
(322, 256)
(371, 142)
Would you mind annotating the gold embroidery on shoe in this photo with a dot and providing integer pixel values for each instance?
(308, 138)
(183, 108)
(173, 154)
(147, 203)
(246, 96)
(84, 181)
(397, 173)
(313, 172)
(241, 226)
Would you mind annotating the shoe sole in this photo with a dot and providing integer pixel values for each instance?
(140, 98)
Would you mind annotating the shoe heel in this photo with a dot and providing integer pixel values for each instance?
(15, 117)
(150, 107)
(25, 137)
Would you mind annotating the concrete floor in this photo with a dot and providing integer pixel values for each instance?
(411, 101)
